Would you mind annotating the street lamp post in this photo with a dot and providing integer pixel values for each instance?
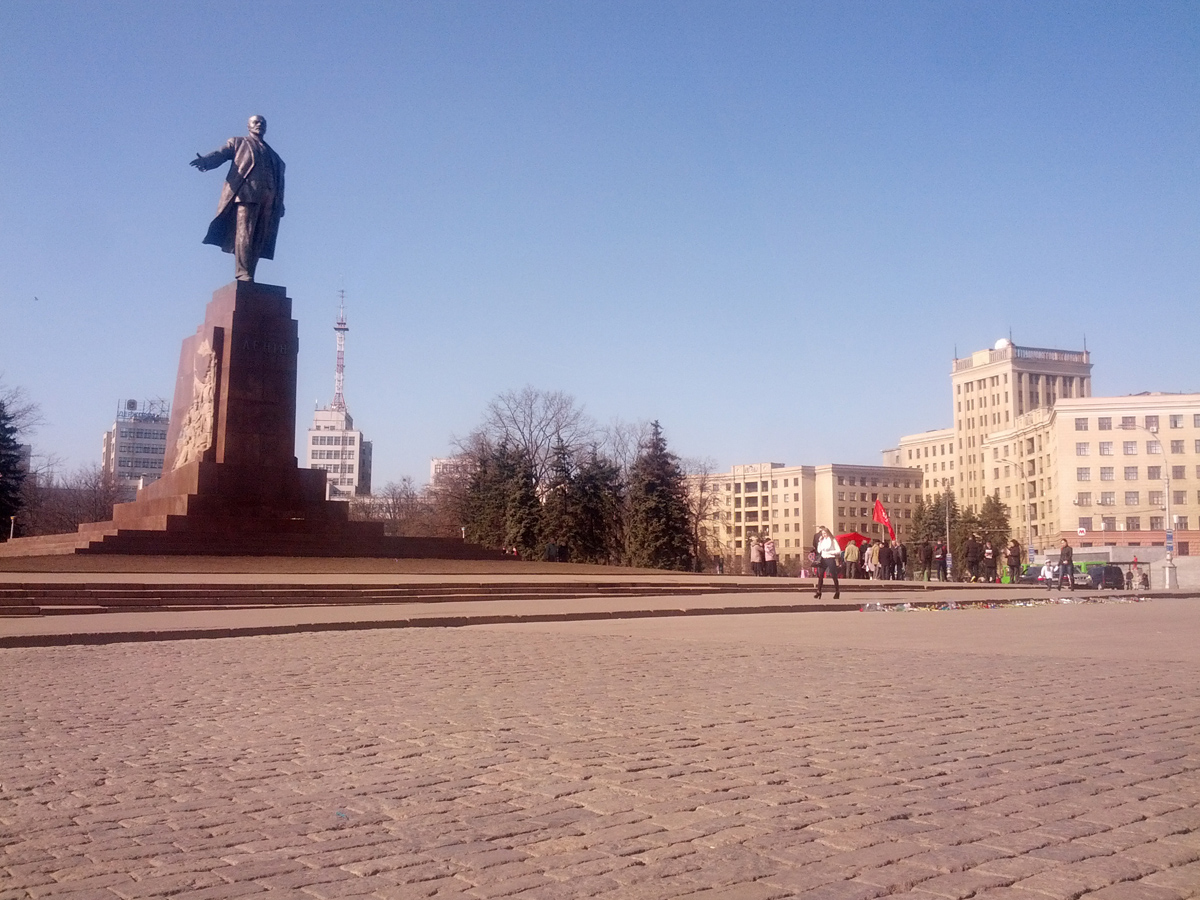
(1170, 576)
(1028, 530)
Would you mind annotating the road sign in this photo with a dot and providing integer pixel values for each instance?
(1082, 532)
(1170, 542)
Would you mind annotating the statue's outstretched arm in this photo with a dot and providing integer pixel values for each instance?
(211, 160)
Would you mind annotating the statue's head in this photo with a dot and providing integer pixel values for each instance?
(258, 126)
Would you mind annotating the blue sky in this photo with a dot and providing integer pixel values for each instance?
(767, 225)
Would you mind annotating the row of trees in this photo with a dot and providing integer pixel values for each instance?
(585, 507)
(991, 523)
(540, 476)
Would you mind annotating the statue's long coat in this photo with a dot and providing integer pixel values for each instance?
(241, 186)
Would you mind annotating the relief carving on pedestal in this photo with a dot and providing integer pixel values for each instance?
(196, 430)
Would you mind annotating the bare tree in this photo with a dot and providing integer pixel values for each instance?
(24, 414)
(54, 505)
(532, 421)
(703, 507)
(622, 441)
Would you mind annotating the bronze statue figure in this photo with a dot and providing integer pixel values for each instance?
(251, 204)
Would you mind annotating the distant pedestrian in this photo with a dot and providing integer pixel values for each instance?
(1066, 564)
(886, 562)
(829, 551)
(1013, 558)
(756, 557)
(973, 556)
(990, 563)
(720, 565)
(925, 555)
(851, 555)
(770, 558)
(939, 560)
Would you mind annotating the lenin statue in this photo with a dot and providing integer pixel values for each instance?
(251, 200)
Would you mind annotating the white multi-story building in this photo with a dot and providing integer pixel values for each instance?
(337, 447)
(132, 451)
(334, 444)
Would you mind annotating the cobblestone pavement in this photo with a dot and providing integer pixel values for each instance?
(767, 758)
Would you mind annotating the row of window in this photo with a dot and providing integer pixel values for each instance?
(1153, 473)
(1132, 523)
(141, 448)
(144, 433)
(925, 454)
(1132, 498)
(866, 511)
(334, 454)
(849, 480)
(1130, 448)
(1150, 423)
(134, 463)
(335, 439)
(336, 469)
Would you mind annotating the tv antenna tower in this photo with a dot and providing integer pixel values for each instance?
(339, 402)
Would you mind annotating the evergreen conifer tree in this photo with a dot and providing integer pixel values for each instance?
(12, 473)
(658, 533)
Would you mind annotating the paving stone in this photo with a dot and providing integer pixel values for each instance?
(629, 761)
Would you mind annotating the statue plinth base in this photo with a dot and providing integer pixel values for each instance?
(231, 485)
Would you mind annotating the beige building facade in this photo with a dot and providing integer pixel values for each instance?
(1102, 472)
(1099, 471)
(787, 503)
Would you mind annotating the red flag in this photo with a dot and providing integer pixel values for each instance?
(880, 515)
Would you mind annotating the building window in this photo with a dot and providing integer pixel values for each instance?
(1153, 447)
(1084, 498)
(1104, 423)
(1156, 523)
(1085, 522)
(1176, 446)
(1176, 421)
(1179, 498)
(1129, 448)
(1153, 473)
(1133, 523)
(1083, 473)
(1081, 424)
(1106, 473)
(1179, 472)
(1181, 522)
(1083, 449)
(1129, 421)
(1152, 423)
(1108, 498)
(1131, 473)
(1196, 420)
(1154, 498)
(1106, 448)
(1133, 498)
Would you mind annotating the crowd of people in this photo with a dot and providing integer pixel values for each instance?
(883, 559)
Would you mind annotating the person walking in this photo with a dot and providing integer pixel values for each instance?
(829, 551)
(901, 560)
(939, 559)
(1013, 558)
(973, 556)
(1066, 564)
